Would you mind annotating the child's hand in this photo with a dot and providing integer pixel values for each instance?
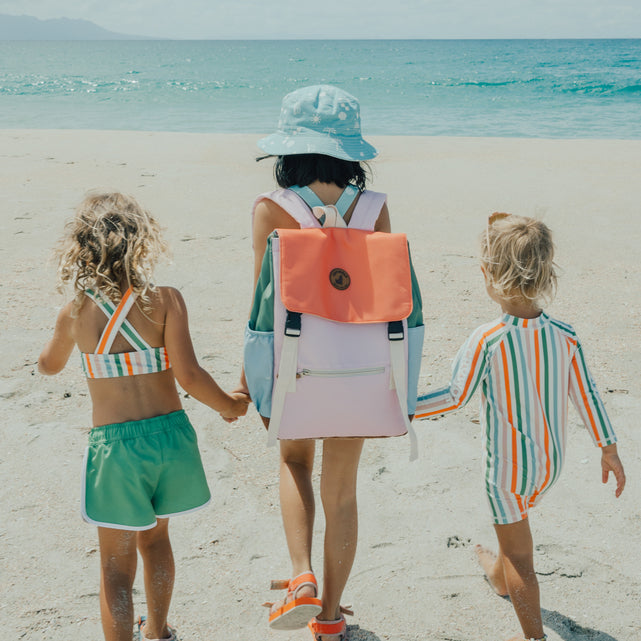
(238, 407)
(610, 462)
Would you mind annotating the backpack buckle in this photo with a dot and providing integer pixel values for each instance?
(395, 331)
(293, 324)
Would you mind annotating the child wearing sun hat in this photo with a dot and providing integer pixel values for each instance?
(319, 167)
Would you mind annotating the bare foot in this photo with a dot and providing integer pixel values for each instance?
(493, 571)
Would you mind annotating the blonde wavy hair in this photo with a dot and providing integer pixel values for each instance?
(110, 241)
(517, 254)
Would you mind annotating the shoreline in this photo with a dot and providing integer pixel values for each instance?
(415, 575)
(258, 135)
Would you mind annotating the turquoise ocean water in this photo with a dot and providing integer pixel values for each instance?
(529, 88)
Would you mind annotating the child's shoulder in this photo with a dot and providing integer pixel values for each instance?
(165, 295)
(564, 328)
(490, 332)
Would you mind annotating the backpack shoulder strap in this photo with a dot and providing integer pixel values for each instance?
(367, 210)
(293, 204)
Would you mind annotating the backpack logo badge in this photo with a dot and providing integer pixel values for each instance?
(339, 278)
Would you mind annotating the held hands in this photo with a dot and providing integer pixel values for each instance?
(610, 462)
(237, 407)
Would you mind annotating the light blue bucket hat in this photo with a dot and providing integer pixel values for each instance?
(320, 119)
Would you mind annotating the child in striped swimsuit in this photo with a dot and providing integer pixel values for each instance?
(526, 365)
(142, 464)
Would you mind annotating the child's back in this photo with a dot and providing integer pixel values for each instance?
(527, 366)
(142, 463)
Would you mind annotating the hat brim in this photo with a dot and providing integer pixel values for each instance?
(345, 148)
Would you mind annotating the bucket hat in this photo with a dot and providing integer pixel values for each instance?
(320, 119)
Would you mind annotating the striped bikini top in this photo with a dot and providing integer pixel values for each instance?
(144, 360)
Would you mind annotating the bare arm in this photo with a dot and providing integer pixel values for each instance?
(383, 222)
(56, 352)
(192, 377)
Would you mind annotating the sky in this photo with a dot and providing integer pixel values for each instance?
(250, 19)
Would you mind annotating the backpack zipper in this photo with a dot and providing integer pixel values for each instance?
(336, 373)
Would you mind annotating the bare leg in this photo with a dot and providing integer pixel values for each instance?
(117, 571)
(517, 552)
(158, 563)
(297, 504)
(493, 567)
(338, 493)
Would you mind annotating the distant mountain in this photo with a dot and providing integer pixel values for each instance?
(29, 28)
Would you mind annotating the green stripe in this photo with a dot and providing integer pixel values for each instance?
(101, 301)
(546, 399)
(119, 365)
(136, 341)
(490, 501)
(568, 329)
(524, 421)
(488, 435)
(555, 434)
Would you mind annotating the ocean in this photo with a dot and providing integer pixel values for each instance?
(514, 88)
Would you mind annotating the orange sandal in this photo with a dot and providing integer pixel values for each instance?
(336, 629)
(295, 612)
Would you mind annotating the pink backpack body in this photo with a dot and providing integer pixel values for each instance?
(341, 342)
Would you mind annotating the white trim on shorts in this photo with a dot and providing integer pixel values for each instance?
(191, 509)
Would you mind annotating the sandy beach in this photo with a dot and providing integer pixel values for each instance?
(415, 576)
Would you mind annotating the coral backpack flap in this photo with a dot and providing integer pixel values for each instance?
(334, 342)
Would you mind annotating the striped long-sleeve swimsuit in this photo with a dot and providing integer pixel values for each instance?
(526, 369)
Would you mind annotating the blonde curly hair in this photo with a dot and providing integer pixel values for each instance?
(110, 241)
(517, 254)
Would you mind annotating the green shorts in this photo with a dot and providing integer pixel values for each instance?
(139, 471)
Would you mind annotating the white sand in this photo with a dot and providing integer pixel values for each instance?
(415, 575)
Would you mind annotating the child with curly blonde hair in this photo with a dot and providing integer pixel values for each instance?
(142, 464)
(527, 365)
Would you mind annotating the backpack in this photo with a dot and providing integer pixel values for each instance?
(335, 337)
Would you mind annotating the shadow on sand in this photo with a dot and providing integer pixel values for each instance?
(356, 633)
(570, 630)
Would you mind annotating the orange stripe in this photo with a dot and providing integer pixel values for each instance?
(89, 368)
(519, 500)
(508, 399)
(575, 366)
(130, 369)
(469, 378)
(546, 436)
(166, 358)
(525, 321)
(112, 321)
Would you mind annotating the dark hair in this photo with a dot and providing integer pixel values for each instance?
(303, 169)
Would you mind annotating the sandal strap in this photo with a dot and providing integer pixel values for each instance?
(293, 585)
(335, 628)
(279, 584)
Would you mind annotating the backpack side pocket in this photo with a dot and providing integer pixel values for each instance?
(415, 337)
(258, 357)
